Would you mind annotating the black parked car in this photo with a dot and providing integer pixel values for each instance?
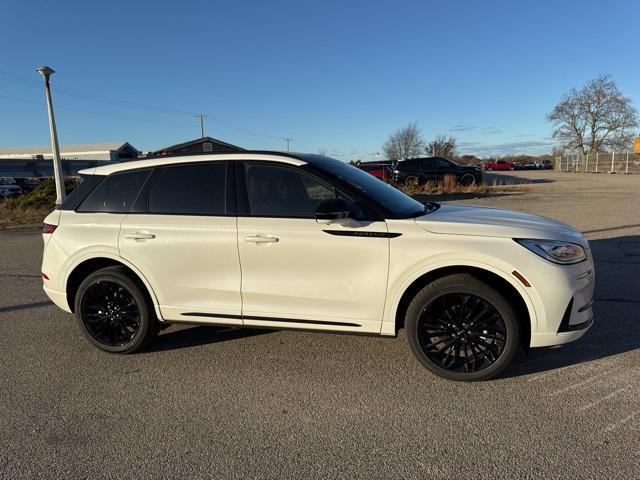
(421, 170)
(545, 165)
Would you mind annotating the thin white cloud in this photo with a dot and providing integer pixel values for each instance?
(507, 148)
(462, 128)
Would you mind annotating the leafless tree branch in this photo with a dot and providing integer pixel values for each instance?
(595, 118)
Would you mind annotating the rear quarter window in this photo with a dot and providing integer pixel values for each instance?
(84, 188)
(117, 193)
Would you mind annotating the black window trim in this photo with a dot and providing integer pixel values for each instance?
(140, 205)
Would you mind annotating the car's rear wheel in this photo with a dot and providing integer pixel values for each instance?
(114, 312)
(467, 180)
(462, 329)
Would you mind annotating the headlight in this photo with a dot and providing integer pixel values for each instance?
(564, 253)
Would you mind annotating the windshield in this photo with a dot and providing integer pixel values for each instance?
(401, 205)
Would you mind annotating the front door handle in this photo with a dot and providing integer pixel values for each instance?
(140, 236)
(261, 239)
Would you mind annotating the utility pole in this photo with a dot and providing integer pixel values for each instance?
(286, 141)
(58, 175)
(202, 116)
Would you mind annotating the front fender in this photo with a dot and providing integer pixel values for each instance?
(399, 285)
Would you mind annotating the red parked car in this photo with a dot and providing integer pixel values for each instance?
(498, 165)
(379, 170)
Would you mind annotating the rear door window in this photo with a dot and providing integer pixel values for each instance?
(117, 193)
(194, 189)
(427, 164)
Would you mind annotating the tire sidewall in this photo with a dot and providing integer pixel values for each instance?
(126, 282)
(442, 287)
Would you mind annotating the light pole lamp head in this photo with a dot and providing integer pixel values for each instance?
(45, 71)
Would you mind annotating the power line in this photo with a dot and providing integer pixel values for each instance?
(117, 116)
(27, 81)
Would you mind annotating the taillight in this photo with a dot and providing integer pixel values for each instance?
(48, 228)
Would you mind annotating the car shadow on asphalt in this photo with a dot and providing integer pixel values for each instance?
(24, 306)
(193, 336)
(617, 327)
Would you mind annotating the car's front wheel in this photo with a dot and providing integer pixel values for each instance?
(462, 329)
(114, 312)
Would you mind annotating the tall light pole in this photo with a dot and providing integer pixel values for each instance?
(57, 165)
(286, 141)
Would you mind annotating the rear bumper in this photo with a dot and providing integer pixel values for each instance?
(59, 298)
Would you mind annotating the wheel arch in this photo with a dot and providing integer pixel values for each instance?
(89, 265)
(522, 305)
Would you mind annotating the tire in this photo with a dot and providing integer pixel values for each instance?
(434, 307)
(467, 180)
(412, 180)
(114, 311)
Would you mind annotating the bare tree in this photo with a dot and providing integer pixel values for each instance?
(404, 143)
(594, 118)
(323, 151)
(442, 146)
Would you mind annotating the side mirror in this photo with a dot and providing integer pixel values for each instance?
(335, 209)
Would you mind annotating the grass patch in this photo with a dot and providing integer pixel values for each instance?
(449, 185)
(31, 207)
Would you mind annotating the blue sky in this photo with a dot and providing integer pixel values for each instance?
(339, 75)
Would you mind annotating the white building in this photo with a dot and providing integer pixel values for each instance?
(36, 161)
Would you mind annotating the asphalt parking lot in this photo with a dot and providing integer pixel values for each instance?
(205, 402)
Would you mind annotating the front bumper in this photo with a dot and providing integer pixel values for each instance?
(575, 298)
(541, 339)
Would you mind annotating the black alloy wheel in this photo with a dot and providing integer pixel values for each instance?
(110, 313)
(461, 332)
(460, 328)
(114, 311)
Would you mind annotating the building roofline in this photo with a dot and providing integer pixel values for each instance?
(193, 142)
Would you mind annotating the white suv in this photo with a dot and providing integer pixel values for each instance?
(272, 240)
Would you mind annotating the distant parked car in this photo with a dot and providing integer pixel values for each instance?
(518, 166)
(378, 170)
(498, 165)
(434, 169)
(8, 188)
(544, 165)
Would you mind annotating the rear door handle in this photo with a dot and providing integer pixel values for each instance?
(140, 236)
(261, 239)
